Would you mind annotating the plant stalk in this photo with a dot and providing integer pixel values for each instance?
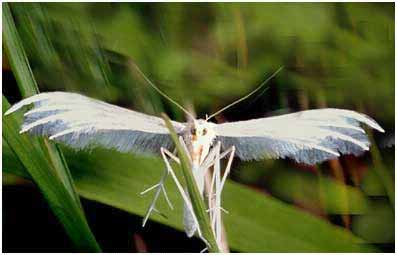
(199, 207)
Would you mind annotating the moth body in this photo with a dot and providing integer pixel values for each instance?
(199, 136)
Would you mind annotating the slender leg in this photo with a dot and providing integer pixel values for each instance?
(166, 197)
(164, 154)
(171, 156)
(204, 167)
(211, 201)
(232, 150)
(217, 183)
(209, 160)
(204, 250)
(185, 148)
(220, 230)
(217, 214)
(159, 187)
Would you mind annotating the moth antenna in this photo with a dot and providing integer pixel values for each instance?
(160, 91)
(246, 96)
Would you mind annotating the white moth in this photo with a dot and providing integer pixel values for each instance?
(308, 137)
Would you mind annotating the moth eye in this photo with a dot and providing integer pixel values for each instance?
(194, 131)
(204, 131)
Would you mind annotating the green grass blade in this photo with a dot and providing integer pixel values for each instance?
(17, 56)
(55, 165)
(194, 194)
(35, 161)
(27, 86)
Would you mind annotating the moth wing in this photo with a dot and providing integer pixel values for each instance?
(309, 137)
(82, 123)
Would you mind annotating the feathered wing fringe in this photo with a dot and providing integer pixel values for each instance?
(84, 123)
(307, 137)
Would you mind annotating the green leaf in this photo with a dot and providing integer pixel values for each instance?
(384, 175)
(256, 222)
(335, 197)
(35, 160)
(43, 160)
(377, 224)
(16, 55)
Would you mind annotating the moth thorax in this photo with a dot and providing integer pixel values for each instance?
(198, 137)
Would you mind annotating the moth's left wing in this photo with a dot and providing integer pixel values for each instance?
(82, 122)
(309, 137)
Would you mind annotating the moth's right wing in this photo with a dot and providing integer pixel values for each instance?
(308, 137)
(83, 123)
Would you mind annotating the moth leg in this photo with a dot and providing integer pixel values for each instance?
(222, 209)
(211, 197)
(215, 185)
(164, 154)
(216, 217)
(204, 250)
(204, 168)
(159, 187)
(218, 183)
(185, 148)
(210, 163)
(171, 156)
(221, 237)
(209, 159)
(231, 150)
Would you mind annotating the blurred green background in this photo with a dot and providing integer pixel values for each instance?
(205, 56)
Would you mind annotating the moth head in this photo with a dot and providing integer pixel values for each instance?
(202, 130)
